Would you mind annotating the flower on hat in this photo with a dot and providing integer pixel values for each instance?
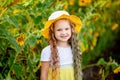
(57, 15)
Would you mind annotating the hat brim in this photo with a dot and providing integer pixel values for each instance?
(74, 19)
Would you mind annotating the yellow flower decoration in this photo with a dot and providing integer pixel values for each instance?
(39, 41)
(108, 5)
(96, 34)
(94, 41)
(66, 6)
(89, 1)
(16, 11)
(84, 2)
(71, 2)
(20, 40)
(115, 26)
(117, 70)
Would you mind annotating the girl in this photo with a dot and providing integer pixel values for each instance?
(61, 59)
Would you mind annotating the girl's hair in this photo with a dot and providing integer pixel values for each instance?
(76, 54)
(73, 41)
(54, 53)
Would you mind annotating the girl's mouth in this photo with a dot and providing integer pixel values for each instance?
(63, 36)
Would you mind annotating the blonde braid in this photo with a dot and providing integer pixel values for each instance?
(76, 55)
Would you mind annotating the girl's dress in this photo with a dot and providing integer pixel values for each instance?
(66, 62)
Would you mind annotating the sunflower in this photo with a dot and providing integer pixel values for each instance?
(117, 70)
(20, 40)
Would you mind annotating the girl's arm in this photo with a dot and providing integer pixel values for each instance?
(44, 70)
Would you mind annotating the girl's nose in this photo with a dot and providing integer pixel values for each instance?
(64, 32)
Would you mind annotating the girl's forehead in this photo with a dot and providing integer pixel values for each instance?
(62, 22)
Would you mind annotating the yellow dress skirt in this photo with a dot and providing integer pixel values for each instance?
(66, 73)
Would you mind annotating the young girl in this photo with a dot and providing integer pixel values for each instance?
(61, 59)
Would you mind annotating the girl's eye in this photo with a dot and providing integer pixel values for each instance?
(59, 29)
(67, 29)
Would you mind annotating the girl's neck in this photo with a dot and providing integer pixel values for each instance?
(63, 44)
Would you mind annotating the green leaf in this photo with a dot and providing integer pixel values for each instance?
(101, 61)
(29, 62)
(8, 77)
(32, 40)
(11, 60)
(12, 20)
(85, 43)
(3, 32)
(37, 20)
(1, 77)
(0, 64)
(6, 35)
(18, 69)
(14, 43)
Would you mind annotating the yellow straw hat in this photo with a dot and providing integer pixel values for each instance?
(60, 15)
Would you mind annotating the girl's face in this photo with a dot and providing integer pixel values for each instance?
(62, 30)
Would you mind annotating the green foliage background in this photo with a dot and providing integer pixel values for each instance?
(100, 19)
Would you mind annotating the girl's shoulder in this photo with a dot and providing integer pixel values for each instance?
(47, 48)
(45, 54)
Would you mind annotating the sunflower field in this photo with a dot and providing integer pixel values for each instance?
(21, 41)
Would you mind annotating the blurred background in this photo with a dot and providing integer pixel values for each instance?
(21, 41)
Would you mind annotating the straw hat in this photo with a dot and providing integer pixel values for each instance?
(60, 15)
